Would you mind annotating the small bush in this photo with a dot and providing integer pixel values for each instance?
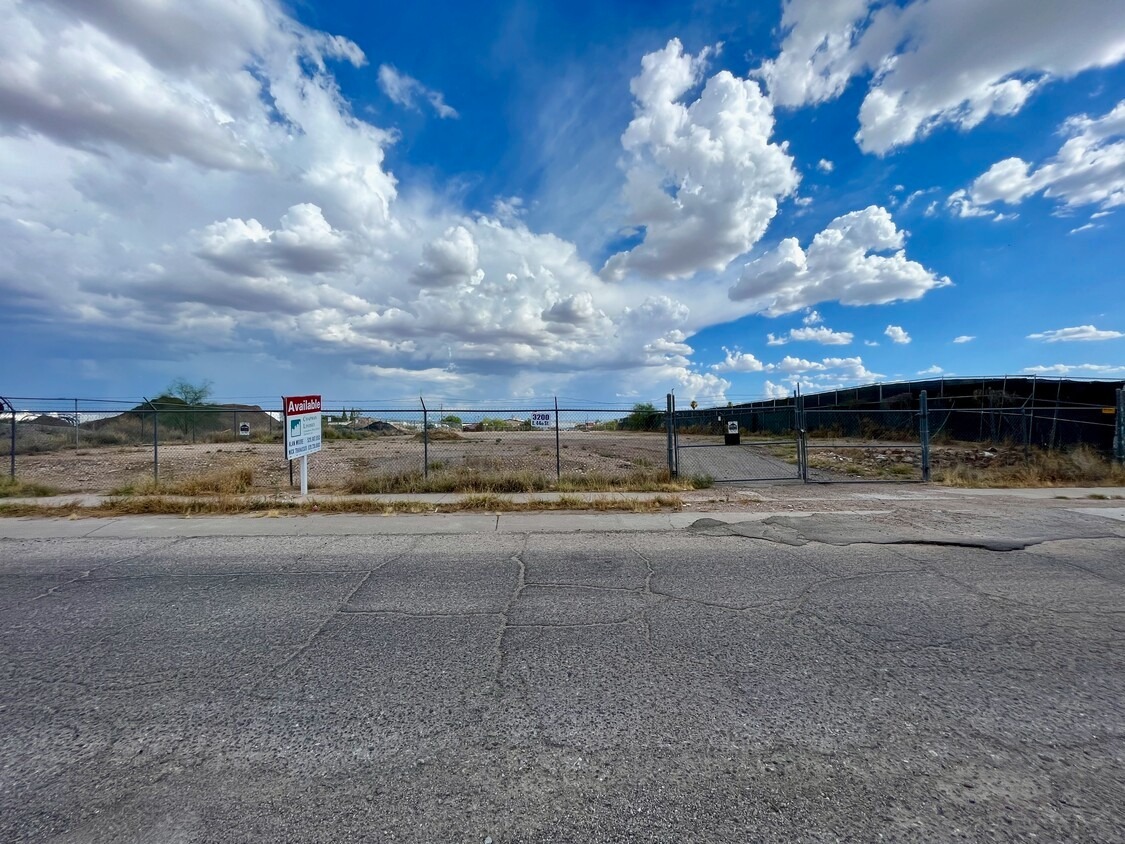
(233, 481)
(436, 434)
(15, 488)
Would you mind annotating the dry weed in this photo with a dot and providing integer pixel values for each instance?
(467, 480)
(272, 508)
(232, 481)
(15, 488)
(1079, 466)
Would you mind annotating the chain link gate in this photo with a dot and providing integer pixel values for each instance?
(734, 444)
(741, 445)
(840, 445)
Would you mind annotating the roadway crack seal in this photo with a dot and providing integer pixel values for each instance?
(517, 590)
(833, 529)
(338, 610)
(86, 575)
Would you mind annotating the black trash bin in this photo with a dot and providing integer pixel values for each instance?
(732, 437)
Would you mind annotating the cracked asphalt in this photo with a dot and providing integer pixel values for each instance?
(829, 677)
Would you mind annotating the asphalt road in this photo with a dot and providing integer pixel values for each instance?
(750, 682)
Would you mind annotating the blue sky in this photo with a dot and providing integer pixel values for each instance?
(600, 201)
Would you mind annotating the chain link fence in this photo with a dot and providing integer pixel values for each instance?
(1046, 427)
(863, 445)
(88, 446)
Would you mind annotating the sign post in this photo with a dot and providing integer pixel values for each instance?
(302, 431)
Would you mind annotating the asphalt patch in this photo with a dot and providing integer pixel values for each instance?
(1011, 533)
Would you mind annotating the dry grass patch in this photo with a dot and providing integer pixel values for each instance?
(436, 434)
(1079, 466)
(160, 505)
(467, 480)
(461, 479)
(638, 480)
(15, 488)
(868, 464)
(233, 481)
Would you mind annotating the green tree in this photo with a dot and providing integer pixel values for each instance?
(644, 417)
(451, 421)
(191, 398)
(192, 394)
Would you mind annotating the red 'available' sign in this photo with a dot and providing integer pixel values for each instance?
(298, 405)
(302, 426)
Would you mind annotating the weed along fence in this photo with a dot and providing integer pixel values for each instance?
(881, 433)
(858, 445)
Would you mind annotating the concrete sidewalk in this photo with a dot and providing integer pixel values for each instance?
(881, 508)
(719, 494)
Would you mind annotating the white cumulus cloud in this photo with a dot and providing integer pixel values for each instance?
(1093, 370)
(825, 374)
(450, 260)
(777, 391)
(1089, 169)
(1084, 333)
(737, 361)
(928, 64)
(897, 334)
(702, 179)
(304, 243)
(842, 263)
(964, 338)
(821, 334)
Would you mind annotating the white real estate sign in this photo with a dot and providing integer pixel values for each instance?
(542, 419)
(302, 425)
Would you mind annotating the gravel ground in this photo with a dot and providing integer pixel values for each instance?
(103, 469)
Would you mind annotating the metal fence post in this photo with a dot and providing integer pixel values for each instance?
(76, 424)
(155, 442)
(4, 403)
(1026, 426)
(924, 435)
(1118, 431)
(676, 436)
(669, 422)
(425, 439)
(802, 435)
(558, 447)
(1055, 418)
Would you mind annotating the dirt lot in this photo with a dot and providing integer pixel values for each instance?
(105, 469)
(607, 453)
